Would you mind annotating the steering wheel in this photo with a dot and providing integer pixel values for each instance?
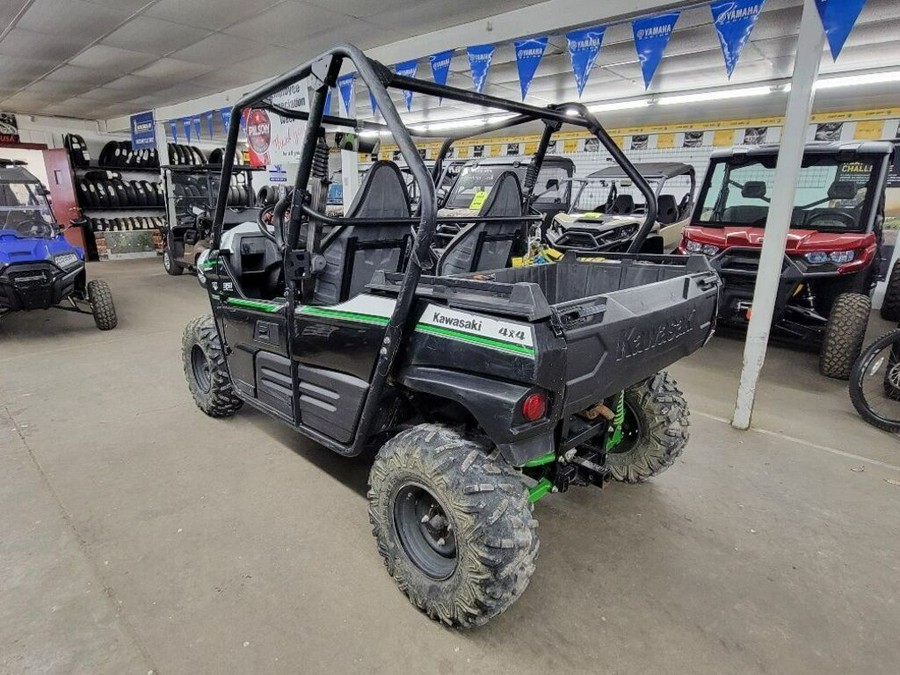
(265, 223)
(848, 220)
(35, 227)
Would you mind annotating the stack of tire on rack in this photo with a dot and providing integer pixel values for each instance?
(120, 155)
(181, 155)
(192, 190)
(103, 189)
(126, 223)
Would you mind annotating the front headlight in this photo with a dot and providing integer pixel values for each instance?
(66, 260)
(842, 257)
(709, 249)
(693, 246)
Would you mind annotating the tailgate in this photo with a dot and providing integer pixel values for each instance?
(620, 338)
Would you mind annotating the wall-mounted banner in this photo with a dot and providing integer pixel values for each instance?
(9, 128)
(345, 86)
(143, 130)
(440, 68)
(584, 47)
(838, 18)
(479, 62)
(651, 35)
(259, 137)
(209, 124)
(195, 122)
(734, 21)
(407, 69)
(173, 125)
(226, 118)
(528, 56)
(186, 125)
(285, 135)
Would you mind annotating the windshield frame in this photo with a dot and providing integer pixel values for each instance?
(42, 208)
(869, 205)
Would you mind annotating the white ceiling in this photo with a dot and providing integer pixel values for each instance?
(99, 59)
(108, 58)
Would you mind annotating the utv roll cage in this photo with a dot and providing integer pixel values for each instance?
(323, 72)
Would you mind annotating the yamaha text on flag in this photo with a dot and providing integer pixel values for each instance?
(734, 21)
(584, 47)
(528, 56)
(651, 35)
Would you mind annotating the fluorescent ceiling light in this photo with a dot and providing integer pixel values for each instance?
(620, 105)
(853, 80)
(456, 124)
(743, 92)
(369, 134)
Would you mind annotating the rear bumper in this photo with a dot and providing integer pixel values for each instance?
(27, 286)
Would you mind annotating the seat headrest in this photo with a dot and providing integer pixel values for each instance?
(842, 190)
(383, 193)
(623, 204)
(505, 198)
(754, 189)
(666, 209)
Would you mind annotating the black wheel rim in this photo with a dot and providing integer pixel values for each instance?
(631, 431)
(879, 382)
(425, 531)
(200, 367)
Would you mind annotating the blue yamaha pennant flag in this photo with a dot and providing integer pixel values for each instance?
(651, 35)
(345, 86)
(173, 125)
(584, 47)
(374, 103)
(195, 123)
(328, 101)
(734, 21)
(528, 56)
(186, 123)
(440, 67)
(407, 69)
(209, 123)
(838, 18)
(226, 118)
(479, 62)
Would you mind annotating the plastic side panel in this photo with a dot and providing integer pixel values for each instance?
(330, 402)
(273, 383)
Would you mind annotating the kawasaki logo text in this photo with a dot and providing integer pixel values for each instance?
(639, 340)
(454, 322)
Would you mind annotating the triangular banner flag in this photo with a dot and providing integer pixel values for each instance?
(374, 103)
(209, 123)
(226, 118)
(173, 125)
(195, 122)
(651, 35)
(479, 62)
(528, 56)
(345, 86)
(186, 123)
(245, 113)
(440, 68)
(734, 21)
(584, 47)
(407, 69)
(327, 102)
(838, 18)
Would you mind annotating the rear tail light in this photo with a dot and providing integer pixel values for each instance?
(534, 407)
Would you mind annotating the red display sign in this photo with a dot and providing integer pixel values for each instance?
(259, 136)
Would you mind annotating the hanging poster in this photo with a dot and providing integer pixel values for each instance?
(9, 128)
(723, 138)
(651, 35)
(345, 86)
(592, 145)
(838, 18)
(829, 131)
(286, 134)
(640, 142)
(407, 69)
(479, 62)
(734, 21)
(665, 141)
(143, 130)
(755, 135)
(692, 139)
(528, 56)
(584, 47)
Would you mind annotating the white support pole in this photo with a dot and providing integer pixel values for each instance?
(787, 170)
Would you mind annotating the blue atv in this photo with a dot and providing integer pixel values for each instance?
(39, 269)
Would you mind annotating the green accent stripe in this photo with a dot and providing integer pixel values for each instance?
(479, 340)
(543, 487)
(345, 316)
(261, 305)
(546, 458)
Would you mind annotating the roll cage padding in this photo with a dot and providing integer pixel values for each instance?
(484, 245)
(354, 253)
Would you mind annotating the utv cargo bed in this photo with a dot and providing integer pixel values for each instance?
(622, 317)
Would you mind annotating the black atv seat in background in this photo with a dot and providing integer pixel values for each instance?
(667, 211)
(485, 245)
(623, 205)
(353, 254)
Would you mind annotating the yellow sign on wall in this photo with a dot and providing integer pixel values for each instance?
(869, 130)
(570, 145)
(665, 141)
(723, 138)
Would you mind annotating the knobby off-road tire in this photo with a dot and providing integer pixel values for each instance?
(656, 425)
(889, 383)
(844, 335)
(102, 307)
(483, 506)
(206, 371)
(890, 307)
(170, 265)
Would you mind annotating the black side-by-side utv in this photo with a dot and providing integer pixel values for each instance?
(479, 387)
